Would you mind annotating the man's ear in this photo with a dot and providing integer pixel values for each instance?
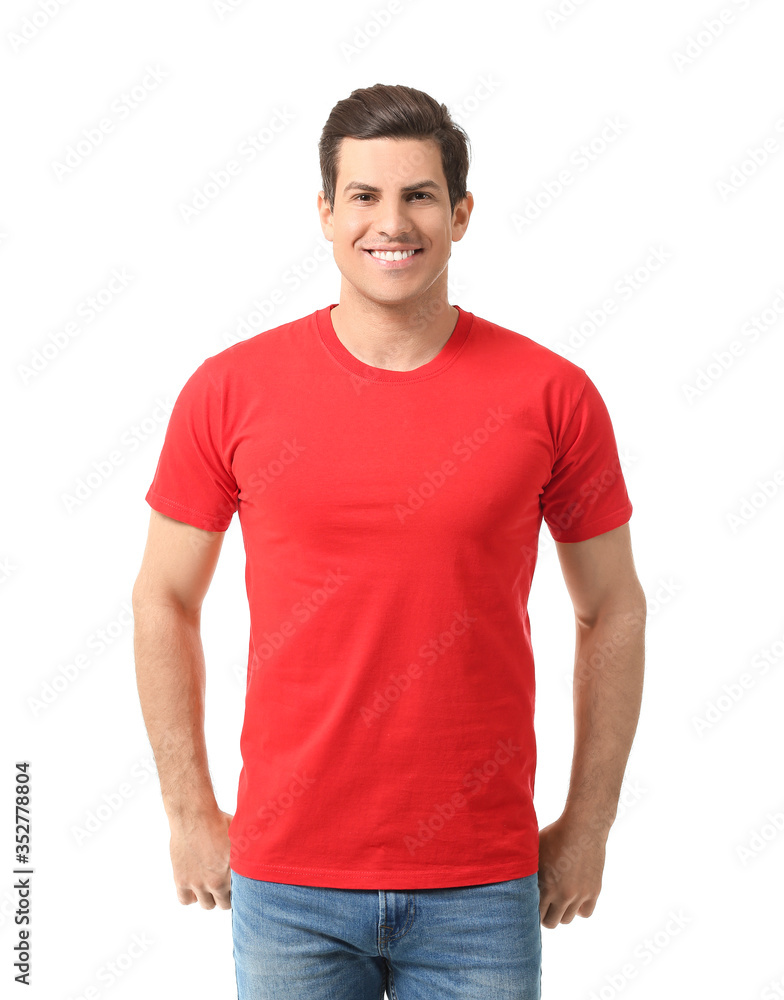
(461, 215)
(325, 215)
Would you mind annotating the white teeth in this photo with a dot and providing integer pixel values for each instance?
(389, 255)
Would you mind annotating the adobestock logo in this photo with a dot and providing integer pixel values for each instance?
(67, 674)
(558, 15)
(224, 7)
(111, 802)
(264, 308)
(119, 110)
(750, 506)
(711, 28)
(423, 319)
(272, 809)
(486, 86)
(429, 651)
(465, 448)
(583, 157)
(474, 781)
(268, 643)
(129, 442)
(364, 34)
(625, 288)
(220, 179)
(756, 157)
(725, 358)
(88, 310)
(627, 628)
(774, 990)
(760, 839)
(7, 569)
(734, 691)
(265, 475)
(601, 822)
(644, 954)
(589, 493)
(110, 973)
(33, 24)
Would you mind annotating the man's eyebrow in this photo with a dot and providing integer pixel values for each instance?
(361, 186)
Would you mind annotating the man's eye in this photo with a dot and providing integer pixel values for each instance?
(424, 194)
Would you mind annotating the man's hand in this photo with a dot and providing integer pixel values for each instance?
(199, 849)
(571, 863)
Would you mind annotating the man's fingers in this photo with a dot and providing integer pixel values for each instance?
(217, 895)
(550, 918)
(200, 861)
(222, 893)
(223, 898)
(208, 897)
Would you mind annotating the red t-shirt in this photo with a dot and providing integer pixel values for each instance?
(390, 522)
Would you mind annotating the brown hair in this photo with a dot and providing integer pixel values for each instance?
(387, 111)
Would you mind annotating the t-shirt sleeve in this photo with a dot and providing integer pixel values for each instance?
(193, 481)
(586, 493)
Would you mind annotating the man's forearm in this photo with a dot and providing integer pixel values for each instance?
(170, 677)
(608, 681)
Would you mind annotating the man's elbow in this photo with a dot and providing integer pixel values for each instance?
(624, 610)
(149, 600)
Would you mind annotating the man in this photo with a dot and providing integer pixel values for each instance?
(391, 458)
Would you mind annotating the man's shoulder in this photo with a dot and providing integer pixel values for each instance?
(521, 349)
(260, 347)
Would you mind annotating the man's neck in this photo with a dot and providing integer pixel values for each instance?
(398, 338)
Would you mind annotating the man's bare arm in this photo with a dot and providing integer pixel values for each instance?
(610, 612)
(177, 568)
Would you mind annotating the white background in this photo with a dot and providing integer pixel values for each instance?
(530, 90)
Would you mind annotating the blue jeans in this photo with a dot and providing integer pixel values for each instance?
(295, 942)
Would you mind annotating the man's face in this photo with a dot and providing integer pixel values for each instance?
(408, 209)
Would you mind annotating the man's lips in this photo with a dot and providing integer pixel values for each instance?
(393, 264)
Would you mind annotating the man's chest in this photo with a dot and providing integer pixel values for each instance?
(456, 466)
